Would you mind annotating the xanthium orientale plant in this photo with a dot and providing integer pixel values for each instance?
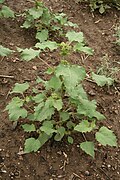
(44, 21)
(75, 43)
(61, 109)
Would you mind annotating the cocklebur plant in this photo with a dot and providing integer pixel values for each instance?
(75, 42)
(44, 21)
(61, 108)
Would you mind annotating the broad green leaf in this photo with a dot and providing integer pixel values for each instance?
(72, 75)
(48, 124)
(28, 54)
(85, 126)
(39, 97)
(57, 103)
(47, 44)
(38, 110)
(40, 80)
(29, 127)
(75, 36)
(45, 111)
(106, 137)
(88, 147)
(46, 17)
(16, 113)
(36, 13)
(71, 24)
(5, 51)
(1, 1)
(82, 48)
(15, 109)
(102, 80)
(60, 134)
(60, 18)
(70, 125)
(101, 9)
(42, 35)
(47, 130)
(7, 12)
(43, 138)
(20, 88)
(88, 108)
(54, 83)
(64, 116)
(32, 144)
(27, 24)
(31, 117)
(78, 91)
(70, 139)
(15, 102)
(47, 127)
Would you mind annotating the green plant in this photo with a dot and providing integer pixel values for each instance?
(107, 69)
(98, 4)
(101, 5)
(5, 11)
(61, 109)
(44, 21)
(75, 43)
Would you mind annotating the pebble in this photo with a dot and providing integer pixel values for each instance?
(87, 173)
(92, 93)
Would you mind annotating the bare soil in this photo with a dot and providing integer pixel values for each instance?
(60, 160)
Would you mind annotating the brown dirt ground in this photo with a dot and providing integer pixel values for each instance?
(59, 160)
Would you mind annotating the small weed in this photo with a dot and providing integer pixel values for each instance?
(107, 69)
(101, 5)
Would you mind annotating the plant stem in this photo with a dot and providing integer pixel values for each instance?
(6, 76)
(45, 63)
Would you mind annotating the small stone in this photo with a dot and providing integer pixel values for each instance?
(108, 165)
(92, 93)
(14, 125)
(116, 112)
(34, 67)
(87, 173)
(59, 152)
(103, 166)
(7, 155)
